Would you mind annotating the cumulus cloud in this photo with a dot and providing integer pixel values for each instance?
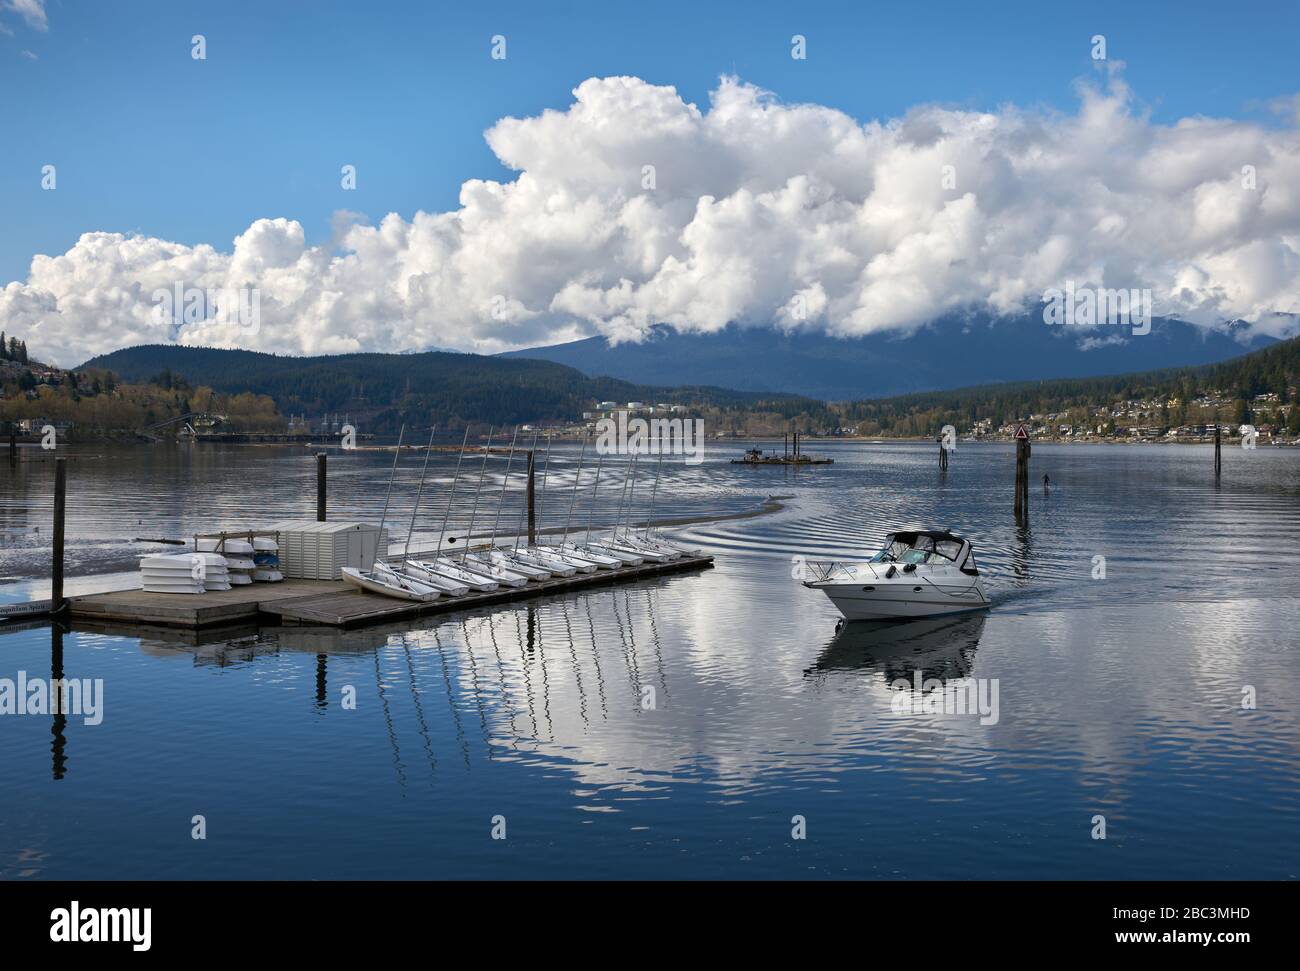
(633, 207)
(32, 11)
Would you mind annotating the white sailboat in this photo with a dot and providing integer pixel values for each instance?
(441, 569)
(603, 561)
(496, 571)
(412, 568)
(381, 578)
(553, 553)
(495, 557)
(384, 580)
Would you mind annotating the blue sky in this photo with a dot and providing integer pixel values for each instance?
(148, 140)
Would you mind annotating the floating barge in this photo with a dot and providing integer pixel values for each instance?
(328, 603)
(755, 456)
(788, 456)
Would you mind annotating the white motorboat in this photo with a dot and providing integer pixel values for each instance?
(390, 584)
(918, 573)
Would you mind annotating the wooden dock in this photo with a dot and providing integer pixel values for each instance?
(327, 603)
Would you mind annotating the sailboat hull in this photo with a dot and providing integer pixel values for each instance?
(372, 583)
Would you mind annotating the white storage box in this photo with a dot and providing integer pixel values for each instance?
(311, 550)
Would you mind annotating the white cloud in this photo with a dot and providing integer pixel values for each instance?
(32, 11)
(754, 202)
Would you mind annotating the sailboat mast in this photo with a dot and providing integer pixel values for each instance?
(391, 472)
(505, 481)
(541, 498)
(654, 491)
(487, 452)
(406, 550)
(523, 503)
(451, 498)
(574, 498)
(594, 486)
(631, 494)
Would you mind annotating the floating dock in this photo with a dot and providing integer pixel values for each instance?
(328, 603)
(783, 460)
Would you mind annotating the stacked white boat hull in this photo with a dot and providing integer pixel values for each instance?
(238, 555)
(266, 559)
(184, 573)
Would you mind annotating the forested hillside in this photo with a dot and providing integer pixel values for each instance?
(385, 389)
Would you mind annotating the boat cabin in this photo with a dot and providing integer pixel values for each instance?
(935, 547)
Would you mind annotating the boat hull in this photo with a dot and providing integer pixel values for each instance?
(497, 559)
(371, 584)
(884, 600)
(450, 571)
(577, 562)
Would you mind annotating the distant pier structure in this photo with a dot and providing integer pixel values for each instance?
(788, 456)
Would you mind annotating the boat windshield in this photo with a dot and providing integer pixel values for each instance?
(918, 549)
(893, 550)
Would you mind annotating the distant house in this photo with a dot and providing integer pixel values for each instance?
(36, 426)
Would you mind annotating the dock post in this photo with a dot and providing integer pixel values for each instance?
(1022, 479)
(59, 745)
(322, 683)
(320, 487)
(56, 569)
(532, 511)
(1218, 450)
(13, 443)
(785, 445)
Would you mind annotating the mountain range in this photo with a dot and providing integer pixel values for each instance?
(958, 351)
(386, 389)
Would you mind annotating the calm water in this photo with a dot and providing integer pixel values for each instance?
(1118, 696)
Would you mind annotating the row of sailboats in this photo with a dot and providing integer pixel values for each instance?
(428, 576)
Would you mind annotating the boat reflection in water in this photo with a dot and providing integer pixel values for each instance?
(941, 648)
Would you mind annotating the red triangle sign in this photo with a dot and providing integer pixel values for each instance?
(1022, 433)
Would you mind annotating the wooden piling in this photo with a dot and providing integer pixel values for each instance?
(322, 683)
(58, 728)
(57, 603)
(532, 511)
(1022, 478)
(320, 487)
(1218, 450)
